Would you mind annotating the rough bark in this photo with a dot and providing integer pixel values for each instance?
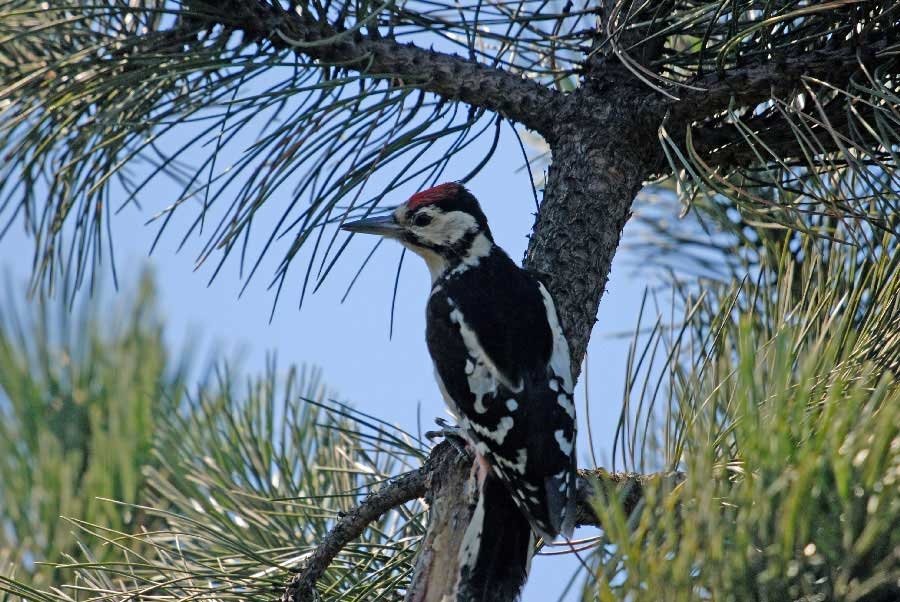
(721, 150)
(600, 159)
(451, 506)
(586, 204)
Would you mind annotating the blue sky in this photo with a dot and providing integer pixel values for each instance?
(387, 377)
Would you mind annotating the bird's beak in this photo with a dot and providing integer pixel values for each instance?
(383, 226)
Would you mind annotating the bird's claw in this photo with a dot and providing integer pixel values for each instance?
(451, 433)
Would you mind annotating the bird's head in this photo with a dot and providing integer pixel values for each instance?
(444, 224)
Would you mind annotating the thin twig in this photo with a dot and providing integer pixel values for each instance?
(406, 487)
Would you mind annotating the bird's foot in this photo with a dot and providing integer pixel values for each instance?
(452, 434)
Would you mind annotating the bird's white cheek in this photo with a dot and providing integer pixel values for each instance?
(449, 229)
(437, 235)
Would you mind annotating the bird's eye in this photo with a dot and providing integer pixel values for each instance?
(422, 219)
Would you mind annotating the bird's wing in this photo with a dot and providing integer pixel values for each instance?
(510, 386)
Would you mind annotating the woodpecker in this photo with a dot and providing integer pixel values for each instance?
(501, 362)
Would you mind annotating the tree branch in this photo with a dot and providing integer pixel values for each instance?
(445, 462)
(754, 84)
(723, 146)
(405, 488)
(449, 76)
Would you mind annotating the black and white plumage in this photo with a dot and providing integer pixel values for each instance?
(500, 356)
(494, 365)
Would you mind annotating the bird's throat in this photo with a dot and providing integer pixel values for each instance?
(440, 265)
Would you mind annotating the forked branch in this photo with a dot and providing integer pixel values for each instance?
(443, 462)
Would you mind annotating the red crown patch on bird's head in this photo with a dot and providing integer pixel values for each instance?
(434, 195)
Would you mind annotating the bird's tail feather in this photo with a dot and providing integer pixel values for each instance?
(497, 554)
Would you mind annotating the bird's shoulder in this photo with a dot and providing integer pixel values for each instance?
(501, 310)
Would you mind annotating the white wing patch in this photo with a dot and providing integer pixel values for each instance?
(503, 427)
(481, 383)
(518, 466)
(559, 359)
(565, 401)
(565, 445)
(476, 351)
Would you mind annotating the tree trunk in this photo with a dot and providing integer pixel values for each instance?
(586, 204)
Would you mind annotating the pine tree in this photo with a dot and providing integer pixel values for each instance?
(774, 123)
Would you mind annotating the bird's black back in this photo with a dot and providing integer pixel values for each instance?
(503, 305)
